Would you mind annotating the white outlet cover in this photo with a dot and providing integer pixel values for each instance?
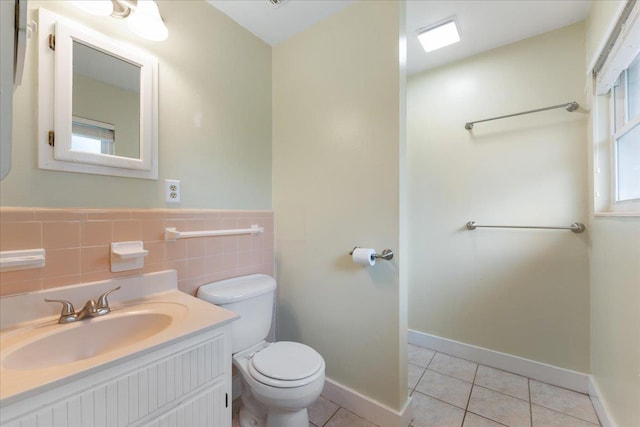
(172, 190)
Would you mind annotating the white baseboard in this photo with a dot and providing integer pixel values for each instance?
(549, 374)
(599, 405)
(366, 407)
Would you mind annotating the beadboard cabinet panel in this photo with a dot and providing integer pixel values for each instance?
(188, 383)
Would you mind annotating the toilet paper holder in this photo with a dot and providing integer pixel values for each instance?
(386, 254)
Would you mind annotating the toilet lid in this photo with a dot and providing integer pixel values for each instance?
(287, 361)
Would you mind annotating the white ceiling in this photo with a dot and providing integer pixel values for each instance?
(483, 24)
(274, 24)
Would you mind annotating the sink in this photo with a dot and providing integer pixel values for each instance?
(149, 315)
(64, 344)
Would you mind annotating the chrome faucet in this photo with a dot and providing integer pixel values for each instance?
(91, 308)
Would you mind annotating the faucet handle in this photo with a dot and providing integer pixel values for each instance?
(67, 307)
(68, 313)
(102, 302)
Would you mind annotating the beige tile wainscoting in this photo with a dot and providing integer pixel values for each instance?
(76, 243)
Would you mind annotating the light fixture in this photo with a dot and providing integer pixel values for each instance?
(438, 36)
(143, 16)
(146, 21)
(95, 7)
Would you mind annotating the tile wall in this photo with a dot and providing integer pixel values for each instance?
(76, 242)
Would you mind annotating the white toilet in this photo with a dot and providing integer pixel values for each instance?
(279, 380)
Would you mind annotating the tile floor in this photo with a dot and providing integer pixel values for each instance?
(452, 392)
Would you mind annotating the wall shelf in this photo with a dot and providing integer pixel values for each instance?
(22, 260)
(127, 256)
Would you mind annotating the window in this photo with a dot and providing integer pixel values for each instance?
(616, 109)
(626, 134)
(91, 136)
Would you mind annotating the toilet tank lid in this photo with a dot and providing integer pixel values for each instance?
(236, 289)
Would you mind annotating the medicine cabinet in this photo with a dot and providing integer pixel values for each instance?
(98, 102)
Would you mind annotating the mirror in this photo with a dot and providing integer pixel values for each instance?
(103, 96)
(105, 104)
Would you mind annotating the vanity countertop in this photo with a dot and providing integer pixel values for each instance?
(136, 325)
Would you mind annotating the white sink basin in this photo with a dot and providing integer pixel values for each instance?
(56, 345)
(148, 314)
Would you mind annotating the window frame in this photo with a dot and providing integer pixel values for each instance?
(623, 54)
(628, 124)
(110, 142)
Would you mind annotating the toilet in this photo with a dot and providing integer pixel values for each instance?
(280, 380)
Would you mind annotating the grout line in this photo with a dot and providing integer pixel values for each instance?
(499, 392)
(487, 418)
(569, 415)
(439, 400)
(432, 357)
(557, 386)
(530, 404)
(466, 408)
(424, 371)
(496, 421)
(452, 356)
(334, 412)
(451, 376)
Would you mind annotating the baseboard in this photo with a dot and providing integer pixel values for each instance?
(366, 407)
(599, 405)
(549, 374)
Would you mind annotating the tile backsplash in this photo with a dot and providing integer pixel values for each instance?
(76, 242)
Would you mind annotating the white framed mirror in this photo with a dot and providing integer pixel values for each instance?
(98, 102)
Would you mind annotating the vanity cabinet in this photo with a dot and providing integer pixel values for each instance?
(184, 383)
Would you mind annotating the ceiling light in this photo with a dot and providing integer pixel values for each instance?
(143, 17)
(146, 21)
(95, 7)
(439, 36)
(277, 3)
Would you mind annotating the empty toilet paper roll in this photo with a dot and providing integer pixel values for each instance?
(364, 256)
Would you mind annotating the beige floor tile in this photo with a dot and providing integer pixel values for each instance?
(499, 407)
(454, 367)
(429, 412)
(445, 388)
(504, 382)
(322, 410)
(473, 420)
(414, 372)
(344, 418)
(543, 417)
(569, 402)
(420, 356)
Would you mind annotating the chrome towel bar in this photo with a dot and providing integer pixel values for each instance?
(576, 227)
(569, 106)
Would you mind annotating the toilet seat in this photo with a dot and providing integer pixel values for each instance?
(286, 364)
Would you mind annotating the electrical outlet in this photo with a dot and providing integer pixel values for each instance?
(172, 190)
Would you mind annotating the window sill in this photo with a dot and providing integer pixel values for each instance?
(621, 213)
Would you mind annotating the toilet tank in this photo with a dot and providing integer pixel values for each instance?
(251, 297)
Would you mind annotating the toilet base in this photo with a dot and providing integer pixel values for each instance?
(278, 418)
(253, 413)
(275, 418)
(247, 419)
